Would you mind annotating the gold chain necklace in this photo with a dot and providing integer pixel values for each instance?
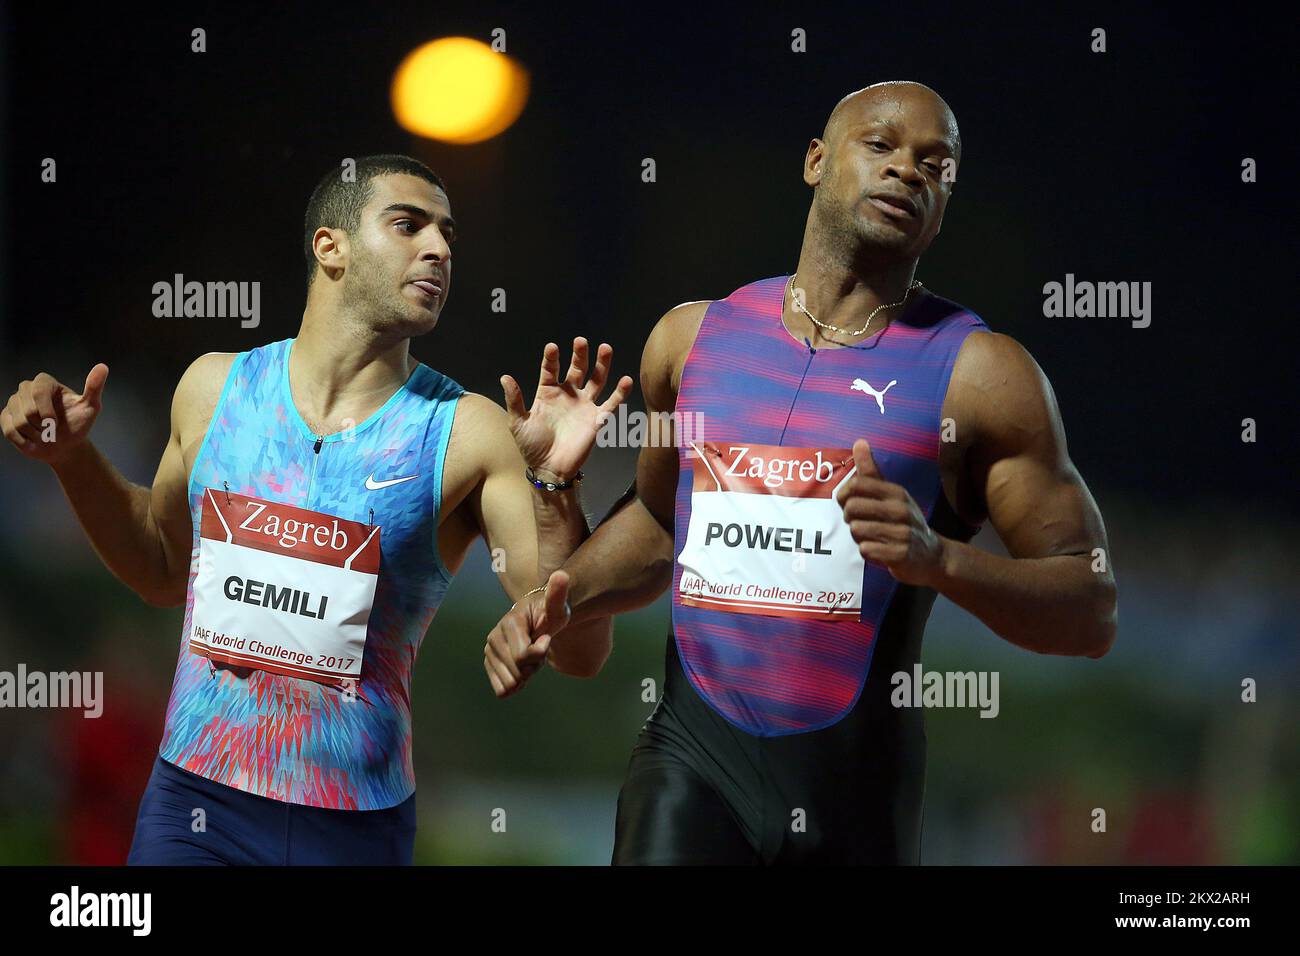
(833, 328)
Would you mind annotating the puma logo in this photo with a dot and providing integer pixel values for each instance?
(860, 386)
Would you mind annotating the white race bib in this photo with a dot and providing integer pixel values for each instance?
(766, 534)
(283, 589)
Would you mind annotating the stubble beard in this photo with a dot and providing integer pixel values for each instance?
(370, 300)
(849, 240)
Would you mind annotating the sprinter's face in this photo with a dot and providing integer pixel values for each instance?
(879, 174)
(398, 265)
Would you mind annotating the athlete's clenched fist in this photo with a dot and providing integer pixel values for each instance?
(516, 648)
(887, 524)
(46, 420)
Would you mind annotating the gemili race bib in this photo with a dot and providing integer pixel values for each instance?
(767, 536)
(283, 589)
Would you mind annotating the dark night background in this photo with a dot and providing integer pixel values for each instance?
(1121, 166)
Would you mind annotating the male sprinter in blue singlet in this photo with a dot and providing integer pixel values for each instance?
(817, 507)
(315, 498)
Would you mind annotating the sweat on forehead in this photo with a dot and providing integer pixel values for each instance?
(856, 102)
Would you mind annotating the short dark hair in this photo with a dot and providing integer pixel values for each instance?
(338, 204)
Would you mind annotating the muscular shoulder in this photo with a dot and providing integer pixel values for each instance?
(480, 444)
(477, 430)
(665, 352)
(1000, 393)
(198, 390)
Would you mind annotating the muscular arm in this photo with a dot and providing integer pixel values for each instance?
(628, 561)
(144, 535)
(1053, 594)
(531, 531)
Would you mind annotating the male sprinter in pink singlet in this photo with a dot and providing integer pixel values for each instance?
(314, 501)
(848, 433)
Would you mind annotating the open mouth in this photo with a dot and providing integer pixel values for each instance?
(431, 289)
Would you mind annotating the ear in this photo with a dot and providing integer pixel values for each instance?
(814, 162)
(331, 248)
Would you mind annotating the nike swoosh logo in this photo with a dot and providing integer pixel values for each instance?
(372, 485)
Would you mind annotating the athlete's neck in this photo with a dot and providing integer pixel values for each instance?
(340, 370)
(843, 291)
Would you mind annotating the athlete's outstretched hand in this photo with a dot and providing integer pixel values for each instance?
(46, 420)
(887, 524)
(556, 435)
(516, 648)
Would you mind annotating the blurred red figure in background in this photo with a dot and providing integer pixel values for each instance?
(107, 763)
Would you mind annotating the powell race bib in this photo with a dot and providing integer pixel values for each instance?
(767, 536)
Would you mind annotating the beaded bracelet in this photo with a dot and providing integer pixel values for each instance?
(551, 485)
